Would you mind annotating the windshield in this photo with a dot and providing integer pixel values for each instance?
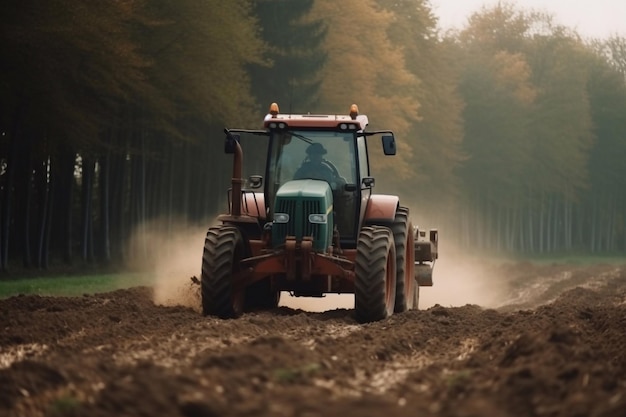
(293, 151)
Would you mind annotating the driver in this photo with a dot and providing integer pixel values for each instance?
(315, 166)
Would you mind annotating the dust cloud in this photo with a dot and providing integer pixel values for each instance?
(174, 256)
(461, 279)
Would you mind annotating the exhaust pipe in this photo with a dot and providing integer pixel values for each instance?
(232, 146)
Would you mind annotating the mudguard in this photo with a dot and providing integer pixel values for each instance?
(381, 209)
(254, 204)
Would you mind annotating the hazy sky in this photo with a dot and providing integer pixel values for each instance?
(591, 18)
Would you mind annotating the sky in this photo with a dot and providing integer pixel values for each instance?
(590, 18)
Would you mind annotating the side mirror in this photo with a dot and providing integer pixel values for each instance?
(389, 145)
(230, 141)
(256, 181)
(368, 182)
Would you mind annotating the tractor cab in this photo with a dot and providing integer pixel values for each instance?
(311, 152)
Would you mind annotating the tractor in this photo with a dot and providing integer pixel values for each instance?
(312, 224)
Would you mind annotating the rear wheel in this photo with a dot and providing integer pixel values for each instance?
(375, 268)
(405, 261)
(223, 250)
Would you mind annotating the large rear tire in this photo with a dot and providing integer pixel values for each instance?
(375, 281)
(223, 250)
(403, 239)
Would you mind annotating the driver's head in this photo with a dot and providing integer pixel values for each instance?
(316, 152)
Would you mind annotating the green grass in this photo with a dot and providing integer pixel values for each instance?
(71, 285)
(65, 405)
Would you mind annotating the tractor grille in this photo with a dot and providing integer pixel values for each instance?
(298, 225)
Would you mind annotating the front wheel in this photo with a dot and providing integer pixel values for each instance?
(223, 250)
(375, 281)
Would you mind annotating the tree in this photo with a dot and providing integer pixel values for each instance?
(199, 54)
(292, 75)
(59, 58)
(366, 68)
(562, 135)
(528, 127)
(605, 204)
(436, 137)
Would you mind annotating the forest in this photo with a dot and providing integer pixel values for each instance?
(511, 130)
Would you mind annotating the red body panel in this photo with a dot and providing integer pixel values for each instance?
(254, 204)
(381, 208)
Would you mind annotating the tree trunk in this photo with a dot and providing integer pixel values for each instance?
(27, 186)
(5, 206)
(87, 189)
(64, 202)
(104, 184)
(47, 229)
(44, 192)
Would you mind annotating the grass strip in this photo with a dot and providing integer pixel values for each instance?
(73, 285)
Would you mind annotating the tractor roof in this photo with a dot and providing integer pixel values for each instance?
(352, 121)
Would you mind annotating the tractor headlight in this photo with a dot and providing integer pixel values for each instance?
(318, 218)
(274, 125)
(281, 218)
(348, 126)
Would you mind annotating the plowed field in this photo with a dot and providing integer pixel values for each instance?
(554, 345)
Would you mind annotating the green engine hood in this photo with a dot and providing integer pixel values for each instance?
(299, 199)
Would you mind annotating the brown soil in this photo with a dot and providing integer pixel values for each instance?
(557, 348)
